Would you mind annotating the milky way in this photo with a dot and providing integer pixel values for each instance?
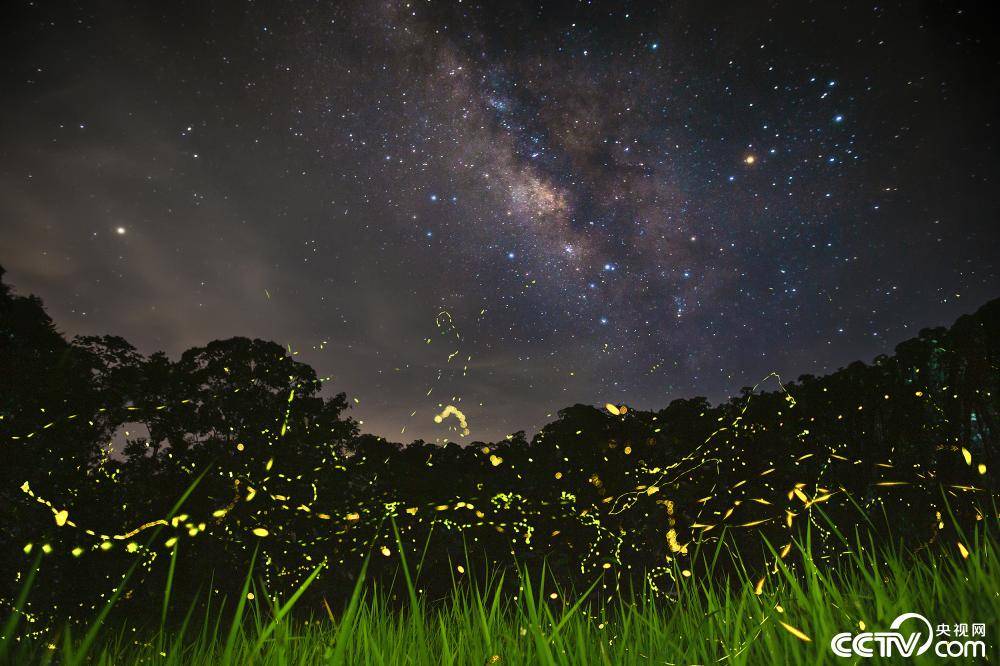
(504, 206)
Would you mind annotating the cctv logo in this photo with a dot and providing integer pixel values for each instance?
(888, 643)
(891, 643)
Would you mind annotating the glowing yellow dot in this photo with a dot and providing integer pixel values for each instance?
(749, 159)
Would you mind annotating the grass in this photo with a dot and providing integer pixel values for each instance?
(706, 619)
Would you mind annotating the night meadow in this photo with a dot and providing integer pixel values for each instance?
(499, 333)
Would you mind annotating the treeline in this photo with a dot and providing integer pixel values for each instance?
(233, 456)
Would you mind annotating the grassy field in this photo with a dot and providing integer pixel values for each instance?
(788, 617)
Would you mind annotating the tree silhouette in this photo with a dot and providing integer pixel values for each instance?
(282, 470)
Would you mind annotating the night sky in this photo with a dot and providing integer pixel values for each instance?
(515, 207)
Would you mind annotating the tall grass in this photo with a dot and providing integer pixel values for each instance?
(705, 619)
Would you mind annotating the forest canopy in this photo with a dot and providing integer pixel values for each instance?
(245, 463)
